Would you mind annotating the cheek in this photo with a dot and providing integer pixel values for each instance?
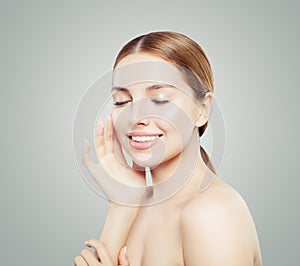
(177, 128)
(115, 113)
(173, 120)
(118, 124)
(191, 109)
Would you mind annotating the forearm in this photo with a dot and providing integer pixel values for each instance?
(118, 222)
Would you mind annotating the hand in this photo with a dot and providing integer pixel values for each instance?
(101, 256)
(108, 159)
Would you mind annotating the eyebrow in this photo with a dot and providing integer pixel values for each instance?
(150, 88)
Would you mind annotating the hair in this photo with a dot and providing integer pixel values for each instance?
(186, 55)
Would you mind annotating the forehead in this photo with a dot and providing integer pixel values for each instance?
(138, 57)
(157, 72)
(147, 86)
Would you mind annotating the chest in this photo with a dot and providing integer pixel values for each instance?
(155, 237)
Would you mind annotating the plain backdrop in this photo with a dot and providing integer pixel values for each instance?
(51, 51)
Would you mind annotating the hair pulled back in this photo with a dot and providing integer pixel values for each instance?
(186, 55)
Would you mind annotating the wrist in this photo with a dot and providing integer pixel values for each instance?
(120, 207)
(121, 211)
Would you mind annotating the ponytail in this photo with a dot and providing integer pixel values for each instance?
(207, 160)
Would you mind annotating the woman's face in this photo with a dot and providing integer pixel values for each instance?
(154, 121)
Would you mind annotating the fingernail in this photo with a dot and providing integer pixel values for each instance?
(125, 250)
(86, 243)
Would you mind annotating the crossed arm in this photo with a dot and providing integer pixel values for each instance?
(110, 249)
(214, 233)
(116, 228)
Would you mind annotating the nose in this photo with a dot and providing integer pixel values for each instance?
(141, 122)
(137, 115)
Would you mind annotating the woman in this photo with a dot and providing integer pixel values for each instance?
(191, 227)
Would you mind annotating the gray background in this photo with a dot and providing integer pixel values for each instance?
(51, 51)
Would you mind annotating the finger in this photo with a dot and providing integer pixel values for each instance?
(85, 152)
(108, 144)
(85, 155)
(101, 250)
(123, 260)
(99, 139)
(79, 261)
(89, 257)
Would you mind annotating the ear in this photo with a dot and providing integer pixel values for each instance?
(205, 108)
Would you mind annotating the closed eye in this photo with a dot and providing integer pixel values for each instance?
(121, 103)
(160, 101)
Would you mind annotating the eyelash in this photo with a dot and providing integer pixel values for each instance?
(121, 103)
(160, 101)
(153, 100)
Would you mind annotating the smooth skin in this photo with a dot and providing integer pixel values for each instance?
(209, 228)
(101, 255)
(119, 218)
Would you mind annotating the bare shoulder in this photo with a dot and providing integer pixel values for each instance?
(219, 220)
(220, 200)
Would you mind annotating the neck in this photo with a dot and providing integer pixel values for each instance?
(174, 166)
(182, 174)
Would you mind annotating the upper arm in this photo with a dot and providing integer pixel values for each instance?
(215, 233)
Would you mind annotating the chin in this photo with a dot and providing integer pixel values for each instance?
(153, 160)
(149, 160)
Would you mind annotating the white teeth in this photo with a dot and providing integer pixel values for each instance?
(143, 138)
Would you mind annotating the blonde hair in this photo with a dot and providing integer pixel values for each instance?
(185, 54)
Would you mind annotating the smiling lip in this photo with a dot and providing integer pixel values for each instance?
(142, 140)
